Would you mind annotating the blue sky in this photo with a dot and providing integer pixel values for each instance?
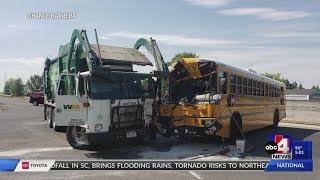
(265, 35)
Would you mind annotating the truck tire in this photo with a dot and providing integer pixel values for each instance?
(235, 127)
(35, 103)
(276, 119)
(48, 111)
(54, 126)
(45, 112)
(76, 137)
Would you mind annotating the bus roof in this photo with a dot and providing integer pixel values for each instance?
(246, 73)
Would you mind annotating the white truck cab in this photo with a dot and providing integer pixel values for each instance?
(93, 107)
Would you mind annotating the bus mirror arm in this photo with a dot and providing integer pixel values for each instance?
(230, 100)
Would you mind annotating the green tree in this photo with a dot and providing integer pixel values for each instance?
(14, 87)
(300, 86)
(19, 87)
(9, 87)
(278, 77)
(35, 83)
(179, 56)
(315, 87)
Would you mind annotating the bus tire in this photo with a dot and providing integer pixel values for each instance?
(276, 118)
(235, 127)
(48, 111)
(76, 137)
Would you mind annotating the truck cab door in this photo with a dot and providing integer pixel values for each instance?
(70, 101)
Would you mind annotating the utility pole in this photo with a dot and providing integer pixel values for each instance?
(5, 79)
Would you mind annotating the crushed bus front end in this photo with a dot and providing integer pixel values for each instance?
(194, 104)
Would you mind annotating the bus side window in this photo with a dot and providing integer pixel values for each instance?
(239, 85)
(232, 84)
(223, 82)
(245, 86)
(254, 87)
(271, 91)
(258, 88)
(261, 89)
(266, 90)
(282, 101)
(249, 86)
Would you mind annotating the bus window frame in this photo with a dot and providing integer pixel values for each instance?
(239, 84)
(249, 87)
(233, 83)
(224, 89)
(244, 85)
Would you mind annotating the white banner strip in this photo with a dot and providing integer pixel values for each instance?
(34, 165)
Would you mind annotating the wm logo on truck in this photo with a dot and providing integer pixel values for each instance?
(74, 107)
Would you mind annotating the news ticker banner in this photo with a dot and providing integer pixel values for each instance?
(49, 165)
(15, 165)
(286, 155)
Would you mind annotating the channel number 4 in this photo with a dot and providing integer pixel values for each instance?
(283, 146)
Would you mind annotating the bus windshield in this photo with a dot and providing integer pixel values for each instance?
(187, 90)
(191, 78)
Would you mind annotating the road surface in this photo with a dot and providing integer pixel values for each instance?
(25, 135)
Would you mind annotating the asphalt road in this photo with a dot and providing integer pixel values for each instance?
(25, 135)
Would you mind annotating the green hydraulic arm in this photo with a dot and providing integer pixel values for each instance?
(162, 71)
(93, 63)
(154, 50)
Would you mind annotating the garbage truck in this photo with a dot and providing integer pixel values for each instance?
(93, 91)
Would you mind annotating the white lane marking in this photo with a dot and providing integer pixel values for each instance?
(33, 150)
(194, 174)
(301, 126)
(35, 123)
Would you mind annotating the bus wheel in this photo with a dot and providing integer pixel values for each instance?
(235, 127)
(48, 116)
(276, 118)
(77, 137)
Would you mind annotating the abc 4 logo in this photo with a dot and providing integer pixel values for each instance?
(280, 145)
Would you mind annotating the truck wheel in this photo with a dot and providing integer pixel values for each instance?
(35, 103)
(276, 118)
(235, 127)
(45, 112)
(48, 111)
(77, 137)
(54, 126)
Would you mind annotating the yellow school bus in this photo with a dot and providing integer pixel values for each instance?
(207, 97)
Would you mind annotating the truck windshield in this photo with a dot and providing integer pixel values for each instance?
(123, 88)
